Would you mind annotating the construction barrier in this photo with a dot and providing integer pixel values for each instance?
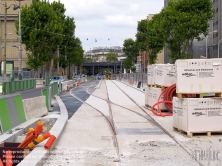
(47, 81)
(30, 109)
(69, 83)
(10, 87)
(12, 111)
(39, 82)
(46, 92)
(54, 89)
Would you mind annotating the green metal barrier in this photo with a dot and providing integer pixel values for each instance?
(47, 81)
(12, 111)
(45, 92)
(9, 87)
(57, 88)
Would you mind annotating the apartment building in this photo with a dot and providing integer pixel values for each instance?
(98, 54)
(9, 33)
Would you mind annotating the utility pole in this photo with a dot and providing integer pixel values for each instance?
(144, 63)
(58, 60)
(20, 45)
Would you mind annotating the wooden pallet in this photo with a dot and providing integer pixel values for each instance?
(156, 86)
(197, 95)
(197, 134)
(149, 107)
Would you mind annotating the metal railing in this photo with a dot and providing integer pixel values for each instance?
(13, 86)
(134, 79)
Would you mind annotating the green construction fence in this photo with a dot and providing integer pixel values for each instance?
(10, 87)
(11, 111)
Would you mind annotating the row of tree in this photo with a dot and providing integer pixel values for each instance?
(45, 31)
(175, 28)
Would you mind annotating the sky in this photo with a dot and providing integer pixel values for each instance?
(109, 22)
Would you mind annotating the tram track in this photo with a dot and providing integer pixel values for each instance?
(110, 120)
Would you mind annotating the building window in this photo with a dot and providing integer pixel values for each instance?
(215, 23)
(215, 47)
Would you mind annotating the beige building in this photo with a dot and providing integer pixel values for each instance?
(10, 31)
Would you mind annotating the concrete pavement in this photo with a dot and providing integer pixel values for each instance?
(87, 139)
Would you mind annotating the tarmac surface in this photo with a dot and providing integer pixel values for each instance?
(73, 104)
(88, 139)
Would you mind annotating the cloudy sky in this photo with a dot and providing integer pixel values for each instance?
(109, 22)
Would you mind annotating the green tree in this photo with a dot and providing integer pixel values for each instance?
(183, 21)
(111, 56)
(68, 42)
(127, 63)
(130, 48)
(84, 71)
(45, 29)
(141, 35)
(40, 24)
(155, 37)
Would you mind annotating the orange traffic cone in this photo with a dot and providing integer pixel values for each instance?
(67, 88)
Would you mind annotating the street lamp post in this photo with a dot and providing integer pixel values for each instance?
(206, 40)
(20, 43)
(11, 47)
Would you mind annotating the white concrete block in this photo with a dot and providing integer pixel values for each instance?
(197, 114)
(69, 83)
(165, 75)
(199, 76)
(156, 92)
(39, 81)
(35, 107)
(150, 74)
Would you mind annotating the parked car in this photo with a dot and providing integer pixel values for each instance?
(84, 76)
(76, 77)
(57, 79)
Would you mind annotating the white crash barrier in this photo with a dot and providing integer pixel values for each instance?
(35, 107)
(39, 81)
(1, 88)
(70, 84)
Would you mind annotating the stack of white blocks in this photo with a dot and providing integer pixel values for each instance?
(198, 115)
(158, 75)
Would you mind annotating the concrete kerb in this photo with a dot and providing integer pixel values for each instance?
(17, 131)
(39, 154)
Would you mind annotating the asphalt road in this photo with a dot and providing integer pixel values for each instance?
(31, 93)
(71, 103)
